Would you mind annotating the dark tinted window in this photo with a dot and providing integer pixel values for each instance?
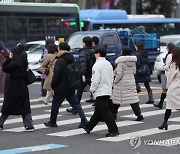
(110, 39)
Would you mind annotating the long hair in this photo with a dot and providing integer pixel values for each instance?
(170, 46)
(20, 58)
(176, 56)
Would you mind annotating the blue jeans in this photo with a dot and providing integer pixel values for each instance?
(43, 91)
(58, 100)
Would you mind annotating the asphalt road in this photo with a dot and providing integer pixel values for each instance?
(135, 137)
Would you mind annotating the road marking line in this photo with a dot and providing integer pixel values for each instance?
(41, 126)
(37, 117)
(74, 132)
(141, 133)
(33, 148)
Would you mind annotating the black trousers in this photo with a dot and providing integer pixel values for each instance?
(102, 111)
(80, 90)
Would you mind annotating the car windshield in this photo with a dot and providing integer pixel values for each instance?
(34, 48)
(165, 41)
(75, 41)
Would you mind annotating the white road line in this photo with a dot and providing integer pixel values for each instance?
(37, 117)
(41, 126)
(125, 108)
(97, 128)
(141, 133)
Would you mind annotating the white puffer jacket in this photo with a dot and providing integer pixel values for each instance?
(124, 91)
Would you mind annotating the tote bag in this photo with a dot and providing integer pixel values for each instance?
(31, 78)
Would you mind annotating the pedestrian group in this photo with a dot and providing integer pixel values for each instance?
(109, 88)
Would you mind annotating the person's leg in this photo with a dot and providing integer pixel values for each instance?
(48, 96)
(56, 103)
(43, 91)
(3, 118)
(166, 117)
(163, 96)
(96, 117)
(107, 115)
(27, 121)
(91, 98)
(79, 93)
(137, 111)
(77, 107)
(150, 94)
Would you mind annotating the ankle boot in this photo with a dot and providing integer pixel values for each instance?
(160, 105)
(139, 117)
(163, 126)
(151, 100)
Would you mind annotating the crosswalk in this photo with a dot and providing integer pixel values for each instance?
(124, 120)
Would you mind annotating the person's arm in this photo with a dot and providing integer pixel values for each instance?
(44, 64)
(95, 80)
(168, 62)
(57, 74)
(119, 73)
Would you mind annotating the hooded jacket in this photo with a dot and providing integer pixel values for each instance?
(59, 82)
(124, 91)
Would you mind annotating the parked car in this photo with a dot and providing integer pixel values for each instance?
(159, 63)
(34, 51)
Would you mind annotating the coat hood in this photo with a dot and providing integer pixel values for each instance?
(123, 59)
(127, 60)
(68, 57)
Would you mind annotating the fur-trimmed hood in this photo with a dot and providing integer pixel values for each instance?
(127, 60)
(123, 59)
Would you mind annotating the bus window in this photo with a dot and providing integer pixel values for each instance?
(16, 26)
(53, 26)
(2, 29)
(97, 26)
(36, 26)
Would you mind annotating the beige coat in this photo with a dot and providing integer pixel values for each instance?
(124, 91)
(49, 61)
(173, 86)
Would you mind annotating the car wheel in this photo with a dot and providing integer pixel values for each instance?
(159, 78)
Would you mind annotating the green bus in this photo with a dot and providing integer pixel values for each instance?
(24, 22)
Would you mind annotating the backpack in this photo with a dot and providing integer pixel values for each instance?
(73, 76)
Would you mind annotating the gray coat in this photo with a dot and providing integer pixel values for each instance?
(124, 91)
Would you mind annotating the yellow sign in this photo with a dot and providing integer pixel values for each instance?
(61, 39)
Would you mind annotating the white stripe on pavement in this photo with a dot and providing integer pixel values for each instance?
(37, 117)
(97, 128)
(140, 133)
(41, 126)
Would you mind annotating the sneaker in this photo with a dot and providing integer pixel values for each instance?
(86, 129)
(49, 124)
(42, 99)
(71, 110)
(140, 117)
(90, 100)
(29, 129)
(82, 124)
(112, 134)
(1, 127)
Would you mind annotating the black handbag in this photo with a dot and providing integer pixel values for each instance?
(31, 78)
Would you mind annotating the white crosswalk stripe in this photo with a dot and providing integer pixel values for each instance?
(127, 120)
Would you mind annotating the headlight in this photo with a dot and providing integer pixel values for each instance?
(158, 58)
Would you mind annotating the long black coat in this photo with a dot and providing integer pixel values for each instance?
(142, 59)
(16, 95)
(59, 79)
